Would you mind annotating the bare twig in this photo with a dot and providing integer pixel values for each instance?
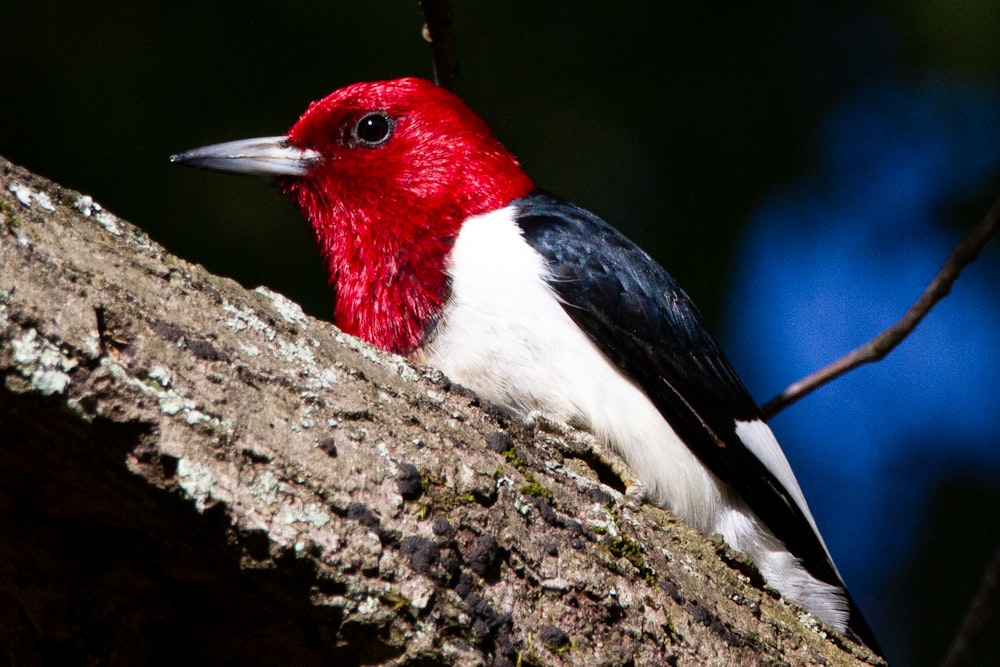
(439, 31)
(963, 254)
(977, 615)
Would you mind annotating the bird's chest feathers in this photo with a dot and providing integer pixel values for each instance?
(503, 331)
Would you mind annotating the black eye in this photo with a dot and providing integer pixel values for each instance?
(373, 129)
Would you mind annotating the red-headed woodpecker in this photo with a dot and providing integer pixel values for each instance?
(441, 248)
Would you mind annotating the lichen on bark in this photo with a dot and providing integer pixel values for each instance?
(190, 470)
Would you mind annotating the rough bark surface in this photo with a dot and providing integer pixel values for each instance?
(195, 473)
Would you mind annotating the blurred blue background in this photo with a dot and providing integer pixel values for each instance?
(801, 168)
(840, 254)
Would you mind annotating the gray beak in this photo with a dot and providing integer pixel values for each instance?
(264, 156)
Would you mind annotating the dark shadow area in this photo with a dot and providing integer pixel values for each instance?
(97, 566)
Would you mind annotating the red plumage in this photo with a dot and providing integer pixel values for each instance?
(385, 216)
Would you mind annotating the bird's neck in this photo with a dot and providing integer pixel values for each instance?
(390, 276)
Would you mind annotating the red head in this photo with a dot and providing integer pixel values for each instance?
(386, 173)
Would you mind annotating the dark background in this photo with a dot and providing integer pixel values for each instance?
(801, 168)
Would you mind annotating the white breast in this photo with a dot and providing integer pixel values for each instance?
(505, 335)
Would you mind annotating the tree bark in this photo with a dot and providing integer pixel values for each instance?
(195, 473)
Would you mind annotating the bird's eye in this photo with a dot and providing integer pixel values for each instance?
(373, 130)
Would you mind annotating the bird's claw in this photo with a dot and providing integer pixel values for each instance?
(584, 445)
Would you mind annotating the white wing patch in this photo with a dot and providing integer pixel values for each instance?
(760, 440)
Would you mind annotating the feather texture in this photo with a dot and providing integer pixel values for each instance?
(551, 309)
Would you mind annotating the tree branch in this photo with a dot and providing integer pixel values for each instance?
(440, 33)
(195, 473)
(961, 256)
(977, 616)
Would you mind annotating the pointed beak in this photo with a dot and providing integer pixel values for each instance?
(265, 156)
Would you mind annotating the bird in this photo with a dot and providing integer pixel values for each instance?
(441, 248)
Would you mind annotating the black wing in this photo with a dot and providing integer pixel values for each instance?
(644, 323)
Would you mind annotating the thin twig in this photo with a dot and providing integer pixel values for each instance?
(963, 254)
(440, 33)
(977, 615)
